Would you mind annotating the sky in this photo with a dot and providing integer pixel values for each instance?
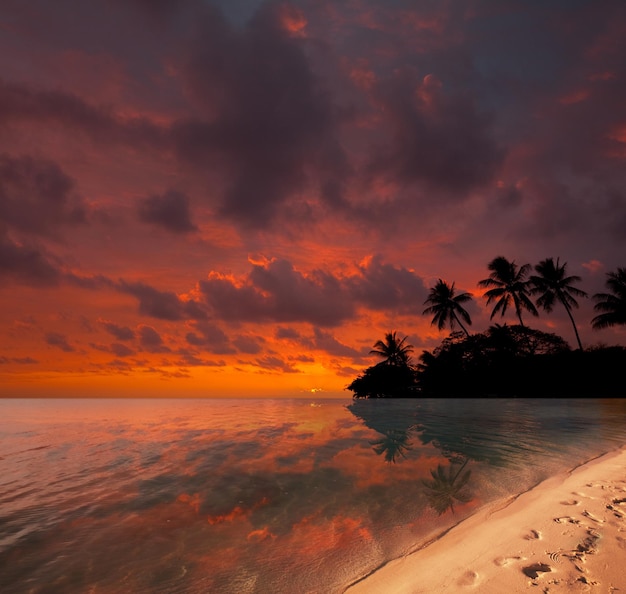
(240, 197)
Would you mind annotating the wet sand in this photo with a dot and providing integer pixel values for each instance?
(567, 534)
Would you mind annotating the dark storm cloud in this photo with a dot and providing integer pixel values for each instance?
(268, 124)
(273, 363)
(328, 343)
(278, 292)
(151, 341)
(117, 348)
(120, 332)
(383, 286)
(169, 210)
(121, 350)
(27, 264)
(30, 263)
(250, 345)
(566, 115)
(100, 123)
(60, 341)
(163, 305)
(287, 333)
(36, 196)
(210, 337)
(438, 138)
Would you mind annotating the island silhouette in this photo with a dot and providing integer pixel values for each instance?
(505, 360)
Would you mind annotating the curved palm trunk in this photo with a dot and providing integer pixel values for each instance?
(460, 324)
(519, 317)
(456, 476)
(569, 313)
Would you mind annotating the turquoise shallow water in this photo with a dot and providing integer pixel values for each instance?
(262, 496)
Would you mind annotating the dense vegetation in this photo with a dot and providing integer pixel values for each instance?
(505, 360)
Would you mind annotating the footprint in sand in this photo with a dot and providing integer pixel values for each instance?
(533, 535)
(592, 517)
(569, 502)
(621, 542)
(582, 495)
(533, 571)
(469, 578)
(616, 512)
(504, 561)
(566, 520)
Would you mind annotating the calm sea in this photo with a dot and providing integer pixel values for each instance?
(262, 496)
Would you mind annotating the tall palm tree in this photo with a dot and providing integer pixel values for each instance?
(552, 284)
(508, 285)
(446, 486)
(393, 444)
(394, 350)
(446, 306)
(613, 304)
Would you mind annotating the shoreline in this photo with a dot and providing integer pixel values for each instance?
(566, 534)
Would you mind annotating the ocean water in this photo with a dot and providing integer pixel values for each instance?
(262, 496)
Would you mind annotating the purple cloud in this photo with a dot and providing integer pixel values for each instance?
(60, 341)
(28, 264)
(280, 293)
(163, 305)
(151, 341)
(439, 139)
(268, 124)
(169, 211)
(36, 196)
(120, 332)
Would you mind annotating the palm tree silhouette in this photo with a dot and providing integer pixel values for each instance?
(447, 486)
(552, 284)
(507, 284)
(447, 306)
(393, 444)
(613, 304)
(394, 350)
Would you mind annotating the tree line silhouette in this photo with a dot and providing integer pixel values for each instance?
(505, 360)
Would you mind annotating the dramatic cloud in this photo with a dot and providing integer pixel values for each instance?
(120, 332)
(163, 305)
(59, 340)
(210, 337)
(151, 341)
(36, 196)
(19, 103)
(278, 292)
(169, 210)
(439, 139)
(383, 286)
(252, 193)
(27, 264)
(268, 123)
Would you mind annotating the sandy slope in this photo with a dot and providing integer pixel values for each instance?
(568, 534)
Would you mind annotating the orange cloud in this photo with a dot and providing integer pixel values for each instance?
(292, 20)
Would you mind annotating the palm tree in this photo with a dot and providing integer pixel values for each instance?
(552, 285)
(393, 444)
(447, 306)
(394, 350)
(507, 284)
(445, 487)
(613, 304)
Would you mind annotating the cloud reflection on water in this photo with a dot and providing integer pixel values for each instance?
(214, 496)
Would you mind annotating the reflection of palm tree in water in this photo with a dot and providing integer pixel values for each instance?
(393, 443)
(446, 486)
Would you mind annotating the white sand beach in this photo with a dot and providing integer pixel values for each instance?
(568, 534)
